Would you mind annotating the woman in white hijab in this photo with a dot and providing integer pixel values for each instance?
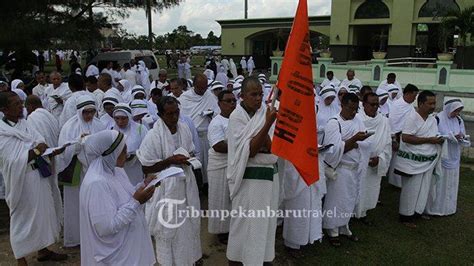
(113, 226)
(233, 68)
(243, 64)
(135, 133)
(443, 196)
(384, 104)
(72, 163)
(222, 76)
(143, 76)
(126, 88)
(17, 87)
(328, 107)
(138, 93)
(250, 65)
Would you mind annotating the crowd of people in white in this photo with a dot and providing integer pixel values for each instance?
(105, 137)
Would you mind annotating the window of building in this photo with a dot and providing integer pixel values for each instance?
(372, 9)
(437, 8)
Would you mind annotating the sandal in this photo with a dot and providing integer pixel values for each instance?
(334, 241)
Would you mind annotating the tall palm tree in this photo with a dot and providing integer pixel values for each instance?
(155, 5)
(459, 21)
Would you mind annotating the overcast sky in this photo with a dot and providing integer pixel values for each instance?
(200, 15)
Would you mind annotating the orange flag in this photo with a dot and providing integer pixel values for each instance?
(295, 137)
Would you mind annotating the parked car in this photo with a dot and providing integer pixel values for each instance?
(124, 56)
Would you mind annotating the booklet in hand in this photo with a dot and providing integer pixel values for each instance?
(168, 172)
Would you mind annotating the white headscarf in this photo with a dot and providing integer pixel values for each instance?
(391, 88)
(74, 128)
(138, 107)
(127, 89)
(138, 89)
(132, 131)
(102, 150)
(17, 90)
(216, 85)
(325, 112)
(451, 126)
(383, 94)
(15, 84)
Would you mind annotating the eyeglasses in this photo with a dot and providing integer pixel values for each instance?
(229, 101)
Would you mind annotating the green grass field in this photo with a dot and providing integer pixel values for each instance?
(441, 240)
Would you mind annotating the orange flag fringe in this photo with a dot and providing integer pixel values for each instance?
(295, 137)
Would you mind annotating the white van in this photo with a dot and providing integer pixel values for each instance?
(124, 56)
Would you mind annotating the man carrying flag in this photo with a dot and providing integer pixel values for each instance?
(253, 179)
(295, 138)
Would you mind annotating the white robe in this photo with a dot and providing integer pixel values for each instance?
(46, 125)
(250, 65)
(381, 148)
(193, 105)
(243, 63)
(419, 161)
(92, 70)
(113, 226)
(399, 110)
(219, 198)
(34, 201)
(233, 68)
(50, 104)
(135, 134)
(354, 84)
(306, 228)
(181, 245)
(251, 240)
(72, 130)
(39, 90)
(334, 81)
(343, 189)
(443, 196)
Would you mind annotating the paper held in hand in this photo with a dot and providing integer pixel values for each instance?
(207, 112)
(168, 172)
(49, 151)
(195, 163)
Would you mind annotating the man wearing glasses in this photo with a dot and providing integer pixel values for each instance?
(380, 154)
(219, 195)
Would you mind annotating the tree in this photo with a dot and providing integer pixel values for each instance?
(212, 39)
(460, 22)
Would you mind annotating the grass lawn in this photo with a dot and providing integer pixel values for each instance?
(441, 240)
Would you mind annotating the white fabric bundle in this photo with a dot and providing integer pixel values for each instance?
(239, 146)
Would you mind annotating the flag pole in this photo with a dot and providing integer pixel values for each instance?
(275, 95)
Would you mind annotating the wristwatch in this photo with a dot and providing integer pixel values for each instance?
(37, 152)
